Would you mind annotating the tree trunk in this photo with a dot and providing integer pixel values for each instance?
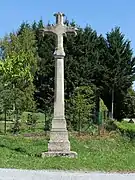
(79, 123)
(5, 124)
(14, 108)
(112, 111)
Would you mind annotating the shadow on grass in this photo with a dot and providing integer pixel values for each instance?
(20, 150)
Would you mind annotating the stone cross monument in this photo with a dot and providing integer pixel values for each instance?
(59, 144)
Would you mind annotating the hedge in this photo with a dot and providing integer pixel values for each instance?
(126, 128)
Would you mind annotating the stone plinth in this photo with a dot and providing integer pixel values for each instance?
(70, 154)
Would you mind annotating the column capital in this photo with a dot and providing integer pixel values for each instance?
(59, 55)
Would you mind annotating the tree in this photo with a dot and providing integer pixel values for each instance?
(90, 59)
(44, 77)
(5, 101)
(81, 59)
(120, 70)
(129, 104)
(18, 66)
(81, 107)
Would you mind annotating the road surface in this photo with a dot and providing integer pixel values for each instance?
(13, 174)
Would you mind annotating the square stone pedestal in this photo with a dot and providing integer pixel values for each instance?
(59, 144)
(70, 154)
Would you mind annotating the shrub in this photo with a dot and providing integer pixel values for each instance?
(103, 110)
(126, 128)
(16, 127)
(110, 125)
(30, 119)
(1, 117)
(80, 107)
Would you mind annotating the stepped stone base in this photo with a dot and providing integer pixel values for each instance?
(70, 154)
(59, 144)
(59, 147)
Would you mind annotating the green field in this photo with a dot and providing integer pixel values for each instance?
(109, 153)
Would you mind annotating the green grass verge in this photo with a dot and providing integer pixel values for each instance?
(94, 153)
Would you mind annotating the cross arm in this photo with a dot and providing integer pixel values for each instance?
(48, 30)
(70, 29)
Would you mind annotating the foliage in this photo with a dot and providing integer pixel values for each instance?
(44, 77)
(110, 126)
(31, 119)
(18, 66)
(16, 128)
(129, 104)
(107, 62)
(35, 123)
(126, 128)
(103, 111)
(102, 106)
(119, 66)
(6, 97)
(81, 106)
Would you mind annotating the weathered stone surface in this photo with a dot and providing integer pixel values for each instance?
(58, 136)
(59, 143)
(59, 88)
(59, 29)
(59, 146)
(70, 154)
(59, 123)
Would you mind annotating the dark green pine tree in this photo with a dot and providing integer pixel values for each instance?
(81, 59)
(44, 78)
(119, 71)
(129, 104)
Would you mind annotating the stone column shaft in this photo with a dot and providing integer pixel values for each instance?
(59, 136)
(59, 88)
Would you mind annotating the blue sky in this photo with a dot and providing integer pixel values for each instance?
(102, 15)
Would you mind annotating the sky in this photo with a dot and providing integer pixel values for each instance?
(101, 15)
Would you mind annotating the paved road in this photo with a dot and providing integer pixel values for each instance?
(13, 174)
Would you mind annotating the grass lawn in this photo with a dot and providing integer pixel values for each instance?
(110, 153)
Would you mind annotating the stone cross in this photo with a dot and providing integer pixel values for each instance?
(59, 30)
(59, 144)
